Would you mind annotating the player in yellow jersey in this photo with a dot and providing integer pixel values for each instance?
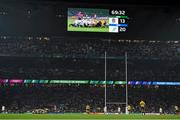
(142, 107)
(87, 109)
(129, 109)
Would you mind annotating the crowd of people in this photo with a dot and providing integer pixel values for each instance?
(72, 58)
(90, 69)
(75, 98)
(60, 59)
(91, 48)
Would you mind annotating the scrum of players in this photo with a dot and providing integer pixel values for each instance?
(83, 20)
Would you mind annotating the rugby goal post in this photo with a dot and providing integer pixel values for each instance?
(105, 90)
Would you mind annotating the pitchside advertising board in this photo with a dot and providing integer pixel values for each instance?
(97, 20)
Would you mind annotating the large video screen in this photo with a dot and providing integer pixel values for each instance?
(96, 20)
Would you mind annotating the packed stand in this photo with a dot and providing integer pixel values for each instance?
(87, 48)
(74, 98)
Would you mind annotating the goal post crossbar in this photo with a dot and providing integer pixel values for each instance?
(117, 103)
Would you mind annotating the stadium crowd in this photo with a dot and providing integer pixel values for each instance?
(82, 48)
(57, 58)
(43, 68)
(74, 98)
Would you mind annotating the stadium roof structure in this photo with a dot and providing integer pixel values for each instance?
(140, 2)
(147, 2)
(153, 23)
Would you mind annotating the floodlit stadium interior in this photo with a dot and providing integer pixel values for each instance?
(89, 60)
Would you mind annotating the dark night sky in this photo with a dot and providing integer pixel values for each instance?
(139, 2)
(159, 21)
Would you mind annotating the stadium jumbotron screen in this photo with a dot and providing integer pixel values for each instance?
(96, 20)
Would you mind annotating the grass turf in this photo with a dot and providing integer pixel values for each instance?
(85, 116)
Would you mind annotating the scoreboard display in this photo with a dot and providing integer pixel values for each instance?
(97, 20)
(118, 21)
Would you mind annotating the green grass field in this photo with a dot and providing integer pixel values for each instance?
(85, 116)
(71, 28)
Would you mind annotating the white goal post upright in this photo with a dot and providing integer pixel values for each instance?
(126, 70)
(105, 90)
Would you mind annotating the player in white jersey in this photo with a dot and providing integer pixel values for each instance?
(160, 111)
(119, 110)
(3, 108)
